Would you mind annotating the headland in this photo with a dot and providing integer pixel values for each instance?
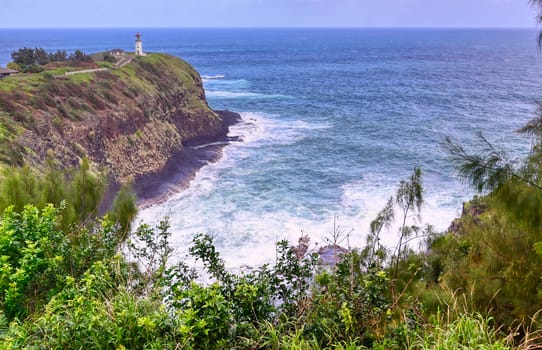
(139, 120)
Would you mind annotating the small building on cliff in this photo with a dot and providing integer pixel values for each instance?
(117, 52)
(6, 72)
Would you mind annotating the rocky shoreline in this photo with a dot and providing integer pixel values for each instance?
(183, 166)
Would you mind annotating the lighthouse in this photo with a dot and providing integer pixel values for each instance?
(138, 46)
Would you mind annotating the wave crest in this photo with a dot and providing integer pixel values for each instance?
(212, 77)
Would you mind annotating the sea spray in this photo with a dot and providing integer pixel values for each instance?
(246, 224)
(334, 120)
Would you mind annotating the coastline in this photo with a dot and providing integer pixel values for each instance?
(183, 166)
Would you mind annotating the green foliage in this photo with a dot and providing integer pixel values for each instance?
(150, 248)
(24, 56)
(374, 252)
(124, 209)
(36, 257)
(14, 66)
(538, 5)
(96, 299)
(58, 56)
(27, 57)
(98, 311)
(494, 260)
(469, 331)
(348, 305)
(60, 269)
(33, 69)
(18, 187)
(205, 317)
(409, 198)
(79, 191)
(87, 190)
(79, 56)
(487, 170)
(10, 152)
(495, 266)
(31, 251)
(80, 188)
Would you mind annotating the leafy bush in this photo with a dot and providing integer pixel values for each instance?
(36, 257)
(33, 69)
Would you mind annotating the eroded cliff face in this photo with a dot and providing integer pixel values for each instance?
(130, 120)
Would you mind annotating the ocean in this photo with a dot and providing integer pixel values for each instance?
(333, 120)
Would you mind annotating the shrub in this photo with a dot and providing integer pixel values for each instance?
(33, 69)
(37, 257)
(109, 58)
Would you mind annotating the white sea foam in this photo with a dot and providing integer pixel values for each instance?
(239, 94)
(212, 77)
(244, 237)
(258, 129)
(231, 94)
(245, 227)
(365, 198)
(232, 85)
(218, 143)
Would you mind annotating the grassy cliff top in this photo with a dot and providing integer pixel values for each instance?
(103, 111)
(34, 82)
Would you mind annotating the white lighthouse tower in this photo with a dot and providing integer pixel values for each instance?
(138, 46)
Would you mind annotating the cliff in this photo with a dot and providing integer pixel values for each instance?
(131, 120)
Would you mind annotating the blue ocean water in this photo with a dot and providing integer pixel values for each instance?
(333, 119)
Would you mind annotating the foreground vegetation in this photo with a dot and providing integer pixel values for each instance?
(70, 278)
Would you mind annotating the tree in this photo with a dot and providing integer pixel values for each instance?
(409, 198)
(58, 56)
(374, 252)
(538, 5)
(24, 56)
(87, 190)
(41, 57)
(124, 209)
(80, 56)
(77, 191)
(27, 57)
(18, 187)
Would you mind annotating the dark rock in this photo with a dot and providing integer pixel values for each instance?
(330, 255)
(302, 247)
(471, 210)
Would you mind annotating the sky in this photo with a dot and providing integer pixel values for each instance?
(265, 13)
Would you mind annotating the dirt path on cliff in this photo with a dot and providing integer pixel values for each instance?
(86, 71)
(121, 63)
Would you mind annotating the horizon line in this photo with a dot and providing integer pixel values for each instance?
(282, 27)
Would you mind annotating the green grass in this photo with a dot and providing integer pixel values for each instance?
(32, 82)
(81, 78)
(469, 331)
(8, 132)
(8, 84)
(59, 71)
(106, 65)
